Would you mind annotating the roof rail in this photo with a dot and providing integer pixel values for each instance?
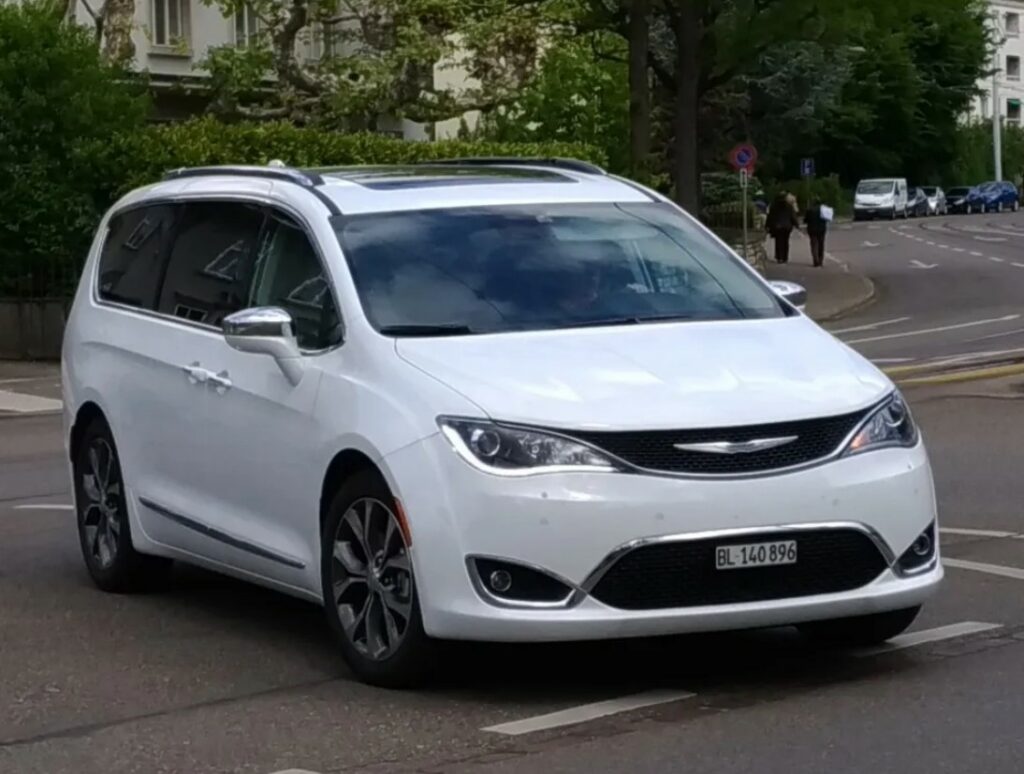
(573, 165)
(275, 171)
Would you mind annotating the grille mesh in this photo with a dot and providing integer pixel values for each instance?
(683, 574)
(655, 450)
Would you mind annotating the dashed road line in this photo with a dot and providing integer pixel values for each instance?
(1018, 265)
(585, 712)
(940, 329)
(995, 258)
(928, 635)
(959, 250)
(976, 254)
(991, 569)
(992, 533)
(870, 326)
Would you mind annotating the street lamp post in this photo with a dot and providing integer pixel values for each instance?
(997, 121)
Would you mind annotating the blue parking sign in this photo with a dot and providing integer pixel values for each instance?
(807, 167)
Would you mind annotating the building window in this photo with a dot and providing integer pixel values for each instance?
(170, 22)
(247, 27)
(1013, 68)
(1011, 25)
(1013, 111)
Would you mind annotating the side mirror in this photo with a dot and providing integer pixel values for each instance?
(792, 292)
(266, 330)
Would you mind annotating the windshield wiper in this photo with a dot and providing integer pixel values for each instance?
(453, 329)
(630, 320)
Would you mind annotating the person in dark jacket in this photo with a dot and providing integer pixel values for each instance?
(817, 227)
(780, 222)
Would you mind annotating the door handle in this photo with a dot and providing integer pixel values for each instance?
(220, 381)
(196, 374)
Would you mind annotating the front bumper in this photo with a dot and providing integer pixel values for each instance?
(568, 525)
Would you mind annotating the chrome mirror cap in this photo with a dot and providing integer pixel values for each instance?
(791, 291)
(267, 330)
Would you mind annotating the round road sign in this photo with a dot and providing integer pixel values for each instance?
(743, 156)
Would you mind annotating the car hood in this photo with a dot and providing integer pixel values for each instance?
(654, 376)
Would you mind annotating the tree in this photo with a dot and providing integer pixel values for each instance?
(59, 103)
(380, 58)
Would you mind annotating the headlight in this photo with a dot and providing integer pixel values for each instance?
(890, 425)
(516, 451)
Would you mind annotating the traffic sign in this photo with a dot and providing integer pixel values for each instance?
(806, 167)
(743, 156)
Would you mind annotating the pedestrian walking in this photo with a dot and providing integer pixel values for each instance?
(817, 228)
(780, 222)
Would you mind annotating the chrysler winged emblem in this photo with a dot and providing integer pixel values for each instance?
(736, 447)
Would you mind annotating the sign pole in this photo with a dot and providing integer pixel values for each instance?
(743, 185)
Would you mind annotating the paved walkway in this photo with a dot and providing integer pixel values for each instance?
(833, 290)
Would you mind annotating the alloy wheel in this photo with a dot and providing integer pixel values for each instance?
(371, 579)
(102, 514)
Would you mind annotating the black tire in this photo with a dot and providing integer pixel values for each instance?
(411, 661)
(861, 630)
(104, 531)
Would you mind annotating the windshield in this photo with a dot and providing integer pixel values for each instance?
(516, 268)
(875, 187)
(930, 190)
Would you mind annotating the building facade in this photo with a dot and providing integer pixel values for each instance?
(1006, 19)
(173, 37)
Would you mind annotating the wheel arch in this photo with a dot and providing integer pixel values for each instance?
(87, 413)
(342, 467)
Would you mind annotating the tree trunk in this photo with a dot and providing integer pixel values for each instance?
(116, 23)
(686, 158)
(639, 88)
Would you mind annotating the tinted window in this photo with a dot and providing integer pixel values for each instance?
(289, 274)
(132, 256)
(211, 261)
(496, 269)
(875, 187)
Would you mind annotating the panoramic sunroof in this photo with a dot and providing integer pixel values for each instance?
(397, 178)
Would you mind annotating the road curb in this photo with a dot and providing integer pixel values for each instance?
(953, 377)
(862, 302)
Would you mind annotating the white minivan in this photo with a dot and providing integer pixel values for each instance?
(481, 400)
(880, 197)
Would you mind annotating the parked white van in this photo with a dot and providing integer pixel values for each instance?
(885, 197)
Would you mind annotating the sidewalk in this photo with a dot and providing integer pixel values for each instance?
(833, 290)
(29, 388)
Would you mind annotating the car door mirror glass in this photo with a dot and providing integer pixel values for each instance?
(266, 331)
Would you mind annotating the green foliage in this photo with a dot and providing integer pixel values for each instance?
(573, 97)
(973, 161)
(826, 189)
(143, 157)
(58, 102)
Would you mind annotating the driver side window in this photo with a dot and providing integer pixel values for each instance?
(290, 275)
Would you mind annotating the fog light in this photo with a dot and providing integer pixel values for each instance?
(501, 581)
(918, 558)
(923, 545)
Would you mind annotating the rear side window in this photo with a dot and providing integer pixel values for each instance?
(290, 275)
(132, 257)
(211, 261)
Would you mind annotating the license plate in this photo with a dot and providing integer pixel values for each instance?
(755, 555)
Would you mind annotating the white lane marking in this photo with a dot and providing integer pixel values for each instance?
(921, 265)
(930, 244)
(959, 250)
(940, 329)
(295, 771)
(20, 403)
(870, 326)
(976, 254)
(870, 244)
(943, 247)
(1018, 265)
(44, 507)
(586, 712)
(993, 533)
(891, 360)
(928, 635)
(995, 258)
(1014, 332)
(992, 569)
(989, 239)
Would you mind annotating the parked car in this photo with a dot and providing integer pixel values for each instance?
(936, 200)
(957, 198)
(917, 203)
(481, 400)
(883, 197)
(994, 197)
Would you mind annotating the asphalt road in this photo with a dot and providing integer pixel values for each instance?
(212, 675)
(947, 286)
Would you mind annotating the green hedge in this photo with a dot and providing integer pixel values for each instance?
(112, 166)
(825, 188)
(145, 156)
